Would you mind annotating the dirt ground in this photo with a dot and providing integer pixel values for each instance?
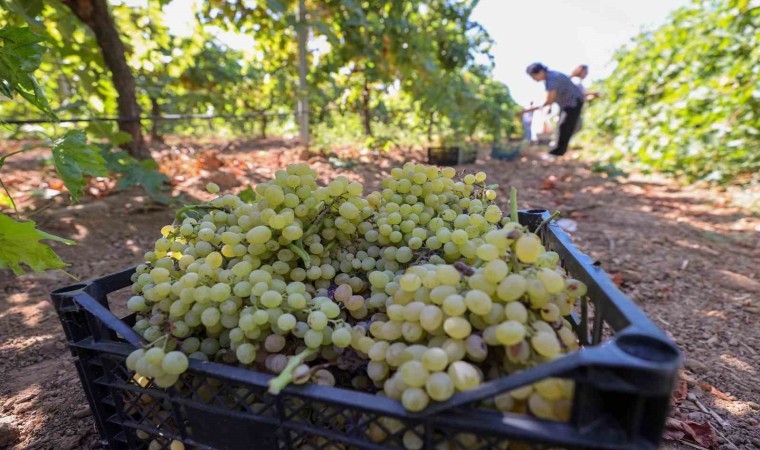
(683, 254)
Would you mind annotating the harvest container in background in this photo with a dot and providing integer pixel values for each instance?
(509, 151)
(452, 156)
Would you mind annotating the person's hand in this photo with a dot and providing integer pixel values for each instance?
(528, 110)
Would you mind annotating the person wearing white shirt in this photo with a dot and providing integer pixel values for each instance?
(577, 76)
(527, 121)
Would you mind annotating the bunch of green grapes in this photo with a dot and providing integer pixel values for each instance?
(424, 212)
(414, 292)
(234, 282)
(437, 331)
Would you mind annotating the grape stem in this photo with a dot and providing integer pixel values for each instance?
(165, 337)
(513, 205)
(327, 207)
(514, 217)
(317, 221)
(277, 384)
(516, 266)
(297, 248)
(554, 215)
(423, 256)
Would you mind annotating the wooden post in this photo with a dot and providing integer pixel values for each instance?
(155, 111)
(303, 93)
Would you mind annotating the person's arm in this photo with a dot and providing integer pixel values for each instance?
(551, 90)
(550, 97)
(528, 110)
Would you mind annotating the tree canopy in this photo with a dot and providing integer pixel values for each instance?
(423, 64)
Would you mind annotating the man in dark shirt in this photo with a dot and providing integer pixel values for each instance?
(561, 90)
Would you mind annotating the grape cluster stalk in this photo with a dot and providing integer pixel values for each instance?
(414, 292)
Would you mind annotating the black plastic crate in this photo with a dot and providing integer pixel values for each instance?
(544, 138)
(623, 377)
(452, 156)
(510, 151)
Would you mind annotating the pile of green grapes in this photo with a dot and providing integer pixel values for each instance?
(414, 292)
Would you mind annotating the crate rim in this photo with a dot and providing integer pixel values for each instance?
(639, 327)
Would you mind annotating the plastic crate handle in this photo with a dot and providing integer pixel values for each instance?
(79, 295)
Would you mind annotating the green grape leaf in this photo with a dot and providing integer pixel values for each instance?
(108, 131)
(134, 172)
(20, 55)
(27, 9)
(276, 6)
(74, 159)
(20, 247)
(145, 173)
(247, 195)
(115, 161)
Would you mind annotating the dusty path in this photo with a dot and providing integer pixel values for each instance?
(685, 257)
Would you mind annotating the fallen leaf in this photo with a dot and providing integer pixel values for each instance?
(549, 183)
(699, 433)
(673, 435)
(210, 160)
(576, 215)
(617, 278)
(679, 393)
(711, 389)
(737, 281)
(56, 184)
(12, 180)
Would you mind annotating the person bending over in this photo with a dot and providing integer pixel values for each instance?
(562, 91)
(577, 76)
